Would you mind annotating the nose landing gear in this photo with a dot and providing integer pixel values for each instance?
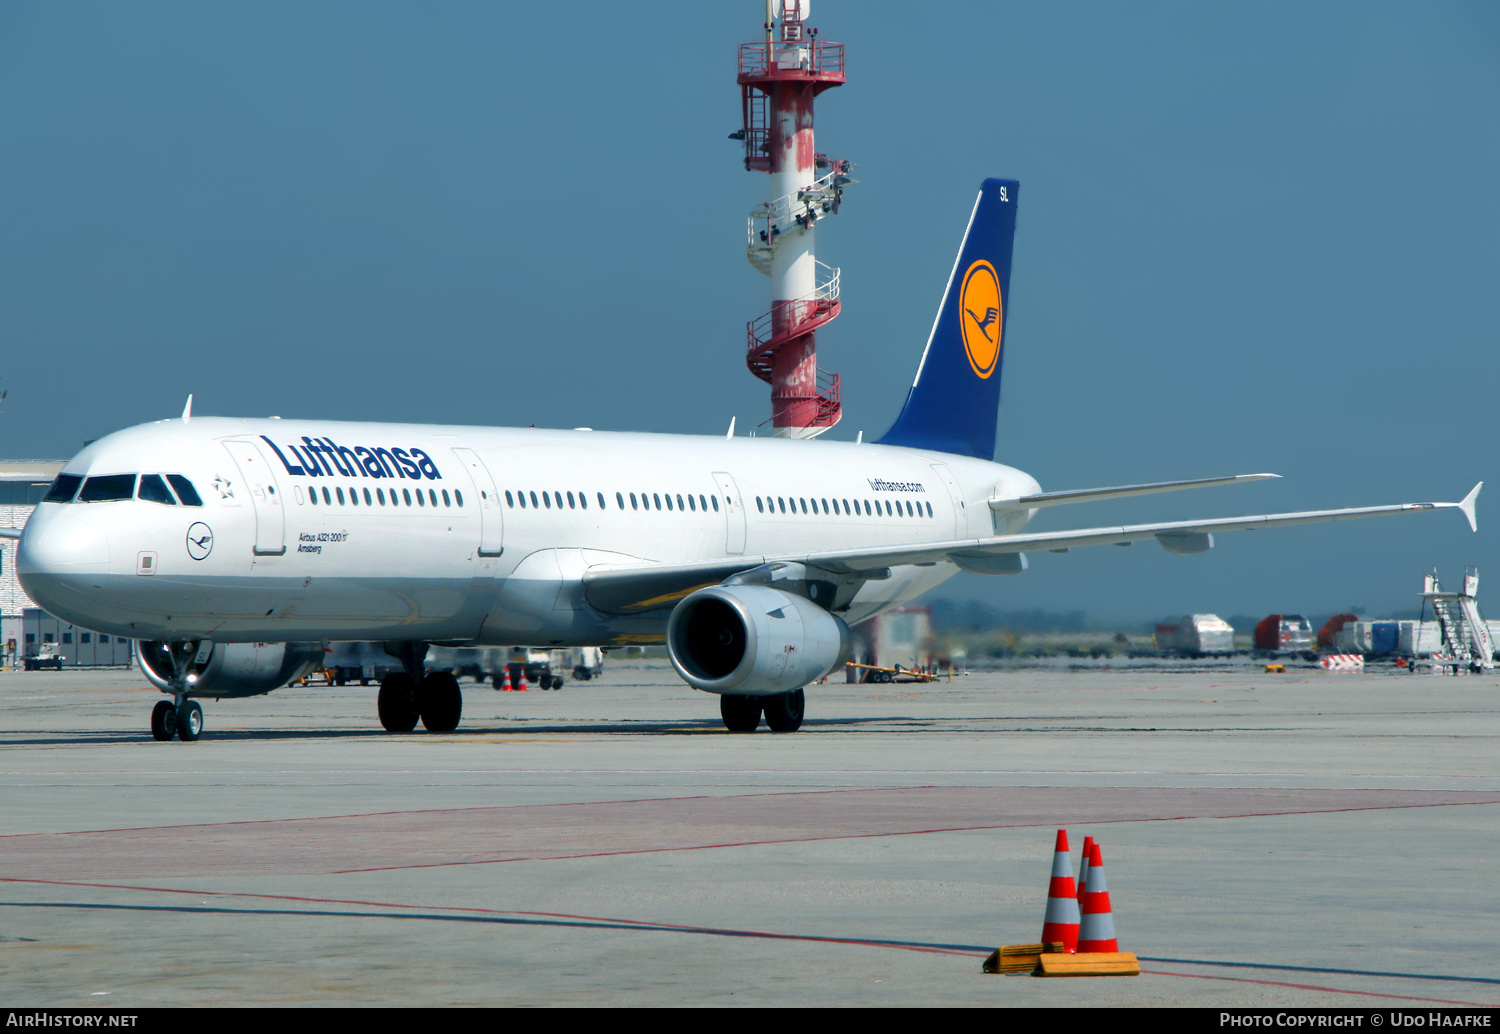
(180, 716)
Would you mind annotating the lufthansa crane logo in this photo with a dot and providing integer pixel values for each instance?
(200, 541)
(983, 316)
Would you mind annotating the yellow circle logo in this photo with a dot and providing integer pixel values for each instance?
(983, 316)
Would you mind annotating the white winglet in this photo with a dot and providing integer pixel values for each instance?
(731, 428)
(1467, 506)
(187, 410)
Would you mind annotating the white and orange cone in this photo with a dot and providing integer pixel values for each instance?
(505, 682)
(1083, 867)
(1097, 930)
(1061, 921)
(521, 686)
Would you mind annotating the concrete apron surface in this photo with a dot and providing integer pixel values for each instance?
(1300, 840)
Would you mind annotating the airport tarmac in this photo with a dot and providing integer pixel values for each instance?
(1298, 840)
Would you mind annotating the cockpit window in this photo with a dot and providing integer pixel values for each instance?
(185, 490)
(153, 489)
(63, 489)
(107, 487)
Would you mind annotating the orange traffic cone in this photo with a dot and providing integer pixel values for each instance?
(1061, 921)
(505, 686)
(1097, 930)
(1083, 867)
(521, 686)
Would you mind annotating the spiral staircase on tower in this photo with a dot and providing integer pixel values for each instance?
(771, 225)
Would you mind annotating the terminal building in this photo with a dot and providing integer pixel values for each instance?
(22, 485)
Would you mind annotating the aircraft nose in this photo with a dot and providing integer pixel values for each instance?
(54, 552)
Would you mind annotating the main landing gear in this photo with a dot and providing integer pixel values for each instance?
(432, 696)
(783, 711)
(179, 716)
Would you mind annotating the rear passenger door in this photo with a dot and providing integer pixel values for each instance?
(734, 513)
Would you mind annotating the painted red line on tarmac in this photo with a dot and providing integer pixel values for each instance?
(419, 839)
(645, 924)
(1316, 987)
(701, 929)
(866, 836)
(480, 807)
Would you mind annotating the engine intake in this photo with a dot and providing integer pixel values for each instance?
(754, 641)
(232, 669)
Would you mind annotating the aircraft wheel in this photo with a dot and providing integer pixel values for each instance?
(784, 711)
(189, 721)
(440, 702)
(740, 713)
(163, 721)
(557, 682)
(397, 702)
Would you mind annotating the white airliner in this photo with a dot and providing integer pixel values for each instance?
(232, 549)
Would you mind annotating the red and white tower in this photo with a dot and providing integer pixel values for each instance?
(779, 80)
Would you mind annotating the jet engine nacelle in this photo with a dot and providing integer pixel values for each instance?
(752, 640)
(232, 669)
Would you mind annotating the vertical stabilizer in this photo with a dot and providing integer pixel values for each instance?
(954, 402)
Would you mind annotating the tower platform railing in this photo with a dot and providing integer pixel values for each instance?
(799, 59)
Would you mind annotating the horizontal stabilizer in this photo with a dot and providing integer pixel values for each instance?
(1095, 495)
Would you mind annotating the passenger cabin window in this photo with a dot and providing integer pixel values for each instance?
(716, 503)
(508, 500)
(154, 490)
(107, 488)
(63, 489)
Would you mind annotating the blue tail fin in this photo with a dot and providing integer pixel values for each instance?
(955, 399)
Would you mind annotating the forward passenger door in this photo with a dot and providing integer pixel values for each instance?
(257, 478)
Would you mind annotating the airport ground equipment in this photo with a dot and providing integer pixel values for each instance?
(779, 80)
(1096, 930)
(1196, 635)
(48, 657)
(1019, 958)
(1466, 637)
(1062, 918)
(895, 673)
(1285, 633)
(1089, 964)
(1083, 866)
(1343, 662)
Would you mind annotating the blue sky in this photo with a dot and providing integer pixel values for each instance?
(1252, 237)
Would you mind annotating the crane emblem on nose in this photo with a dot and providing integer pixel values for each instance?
(200, 541)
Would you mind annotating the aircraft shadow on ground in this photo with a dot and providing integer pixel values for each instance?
(681, 727)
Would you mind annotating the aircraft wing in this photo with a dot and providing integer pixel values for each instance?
(1094, 495)
(10, 533)
(635, 588)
